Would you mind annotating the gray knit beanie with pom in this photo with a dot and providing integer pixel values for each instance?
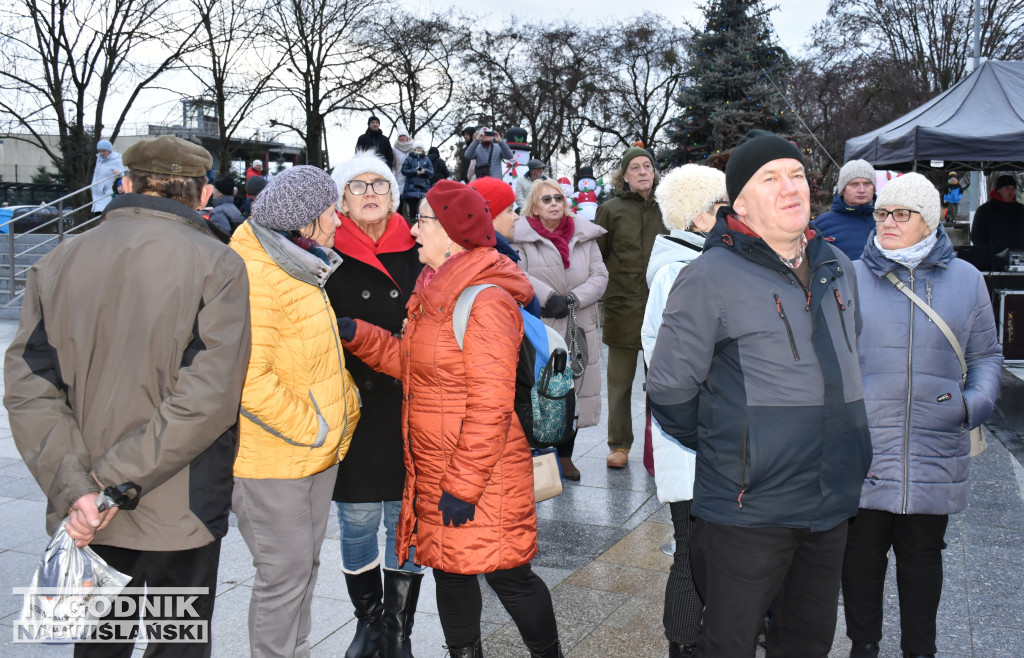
(855, 169)
(294, 198)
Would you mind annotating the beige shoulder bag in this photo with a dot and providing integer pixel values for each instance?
(978, 444)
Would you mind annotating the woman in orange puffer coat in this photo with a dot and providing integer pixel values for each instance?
(468, 505)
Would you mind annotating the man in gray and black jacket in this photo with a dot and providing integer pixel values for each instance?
(756, 368)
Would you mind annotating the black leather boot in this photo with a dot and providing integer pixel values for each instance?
(907, 654)
(681, 650)
(401, 592)
(551, 651)
(472, 650)
(864, 650)
(366, 593)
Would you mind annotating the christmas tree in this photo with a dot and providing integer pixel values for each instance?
(729, 89)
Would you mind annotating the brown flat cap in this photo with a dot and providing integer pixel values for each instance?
(168, 155)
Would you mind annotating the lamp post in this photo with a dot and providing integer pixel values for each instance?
(975, 193)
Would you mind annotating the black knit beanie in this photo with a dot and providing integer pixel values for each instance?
(755, 150)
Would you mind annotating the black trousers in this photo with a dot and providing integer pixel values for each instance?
(192, 568)
(523, 594)
(683, 607)
(917, 540)
(742, 572)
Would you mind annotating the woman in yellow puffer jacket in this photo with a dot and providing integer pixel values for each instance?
(299, 403)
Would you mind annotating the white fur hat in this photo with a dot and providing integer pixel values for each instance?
(366, 162)
(913, 192)
(687, 191)
(855, 169)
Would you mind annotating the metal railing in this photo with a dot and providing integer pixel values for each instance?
(15, 295)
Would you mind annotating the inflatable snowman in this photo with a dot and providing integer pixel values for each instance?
(585, 201)
(514, 169)
(566, 186)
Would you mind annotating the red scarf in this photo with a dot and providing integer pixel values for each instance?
(350, 241)
(559, 237)
(428, 273)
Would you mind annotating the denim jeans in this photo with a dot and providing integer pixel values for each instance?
(360, 523)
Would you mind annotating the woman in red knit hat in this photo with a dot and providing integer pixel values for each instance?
(501, 204)
(468, 505)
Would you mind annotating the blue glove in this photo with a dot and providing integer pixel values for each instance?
(346, 328)
(455, 512)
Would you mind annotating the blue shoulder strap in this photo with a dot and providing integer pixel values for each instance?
(534, 330)
(464, 304)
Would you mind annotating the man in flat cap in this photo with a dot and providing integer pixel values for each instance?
(125, 378)
(756, 368)
(632, 220)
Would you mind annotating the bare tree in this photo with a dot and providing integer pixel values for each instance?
(416, 71)
(325, 63)
(646, 57)
(66, 57)
(842, 93)
(930, 40)
(230, 72)
(534, 76)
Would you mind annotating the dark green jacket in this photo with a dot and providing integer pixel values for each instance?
(632, 223)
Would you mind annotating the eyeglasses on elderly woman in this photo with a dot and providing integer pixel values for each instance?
(358, 187)
(899, 215)
(548, 198)
(419, 220)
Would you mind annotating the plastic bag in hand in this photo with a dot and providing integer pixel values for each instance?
(72, 587)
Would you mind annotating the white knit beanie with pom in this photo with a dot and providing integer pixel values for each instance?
(913, 192)
(686, 192)
(366, 162)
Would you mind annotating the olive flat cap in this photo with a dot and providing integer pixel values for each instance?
(168, 155)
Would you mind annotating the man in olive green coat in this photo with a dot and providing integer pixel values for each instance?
(633, 221)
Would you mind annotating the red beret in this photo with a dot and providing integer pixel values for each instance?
(497, 193)
(463, 214)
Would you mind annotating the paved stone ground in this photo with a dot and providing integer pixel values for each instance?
(599, 554)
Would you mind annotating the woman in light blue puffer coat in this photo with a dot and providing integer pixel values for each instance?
(920, 412)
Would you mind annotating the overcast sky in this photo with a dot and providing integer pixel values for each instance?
(793, 21)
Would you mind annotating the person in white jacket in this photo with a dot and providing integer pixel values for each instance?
(108, 164)
(689, 197)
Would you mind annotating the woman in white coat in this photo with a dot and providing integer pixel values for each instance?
(689, 197)
(561, 257)
(108, 164)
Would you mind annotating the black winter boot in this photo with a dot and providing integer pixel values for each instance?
(864, 650)
(472, 650)
(907, 654)
(401, 592)
(551, 651)
(366, 593)
(676, 650)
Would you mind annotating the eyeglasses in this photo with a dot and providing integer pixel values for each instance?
(358, 187)
(898, 215)
(548, 198)
(420, 218)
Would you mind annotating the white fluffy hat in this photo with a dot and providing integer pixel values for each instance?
(913, 192)
(855, 169)
(687, 191)
(366, 162)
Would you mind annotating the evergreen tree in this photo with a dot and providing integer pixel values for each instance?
(728, 90)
